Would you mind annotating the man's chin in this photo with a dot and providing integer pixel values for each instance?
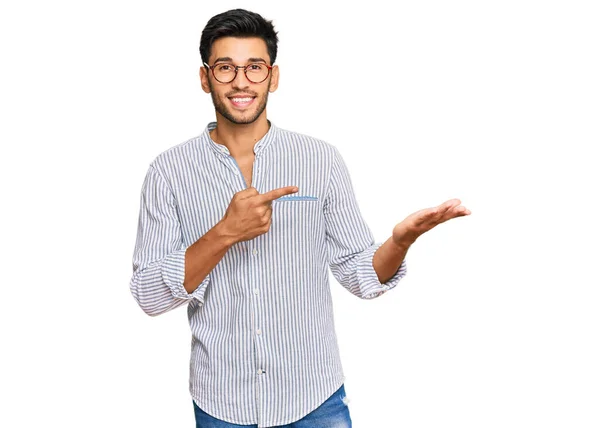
(240, 119)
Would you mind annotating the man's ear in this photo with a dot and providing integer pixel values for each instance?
(274, 79)
(204, 79)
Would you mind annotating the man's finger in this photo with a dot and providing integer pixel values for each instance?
(443, 209)
(450, 204)
(456, 211)
(248, 192)
(277, 193)
(462, 210)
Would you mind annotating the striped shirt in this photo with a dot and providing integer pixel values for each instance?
(264, 348)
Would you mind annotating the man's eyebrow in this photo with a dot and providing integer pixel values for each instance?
(228, 59)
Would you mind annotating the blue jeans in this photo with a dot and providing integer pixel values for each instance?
(333, 413)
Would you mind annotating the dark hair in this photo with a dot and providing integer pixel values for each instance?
(238, 23)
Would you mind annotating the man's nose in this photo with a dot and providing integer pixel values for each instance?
(240, 81)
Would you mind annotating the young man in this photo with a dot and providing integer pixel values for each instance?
(241, 224)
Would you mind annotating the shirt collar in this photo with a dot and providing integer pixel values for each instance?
(259, 146)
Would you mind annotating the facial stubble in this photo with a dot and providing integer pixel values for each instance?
(222, 109)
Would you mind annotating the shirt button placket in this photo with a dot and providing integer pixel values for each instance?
(258, 343)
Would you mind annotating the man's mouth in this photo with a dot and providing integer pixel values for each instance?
(242, 102)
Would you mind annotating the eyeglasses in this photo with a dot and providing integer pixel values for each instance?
(226, 73)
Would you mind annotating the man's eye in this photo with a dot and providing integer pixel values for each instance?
(224, 67)
(255, 67)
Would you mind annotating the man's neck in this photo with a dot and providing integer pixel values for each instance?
(239, 139)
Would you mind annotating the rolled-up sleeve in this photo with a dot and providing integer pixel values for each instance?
(350, 242)
(159, 254)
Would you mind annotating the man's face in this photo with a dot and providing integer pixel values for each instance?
(240, 101)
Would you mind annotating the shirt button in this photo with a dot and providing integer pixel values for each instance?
(259, 371)
(256, 291)
(255, 251)
(258, 331)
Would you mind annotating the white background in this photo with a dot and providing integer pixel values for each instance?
(495, 102)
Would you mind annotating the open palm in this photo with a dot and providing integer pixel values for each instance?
(413, 226)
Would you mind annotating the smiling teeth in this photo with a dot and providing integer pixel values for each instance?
(241, 100)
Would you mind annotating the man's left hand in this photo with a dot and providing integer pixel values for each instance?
(408, 230)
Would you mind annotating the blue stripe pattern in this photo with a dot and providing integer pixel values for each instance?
(264, 347)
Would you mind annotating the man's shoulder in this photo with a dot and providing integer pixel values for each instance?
(305, 140)
(175, 155)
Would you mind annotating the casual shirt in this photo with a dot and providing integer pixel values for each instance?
(264, 348)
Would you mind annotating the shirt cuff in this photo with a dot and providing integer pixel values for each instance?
(368, 281)
(173, 274)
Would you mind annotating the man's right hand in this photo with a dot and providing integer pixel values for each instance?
(249, 212)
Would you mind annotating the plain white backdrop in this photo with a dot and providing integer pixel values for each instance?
(497, 103)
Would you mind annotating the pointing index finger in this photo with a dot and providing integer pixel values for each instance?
(278, 193)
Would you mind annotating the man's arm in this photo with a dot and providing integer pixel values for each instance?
(388, 258)
(350, 243)
(159, 259)
(165, 273)
(203, 255)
